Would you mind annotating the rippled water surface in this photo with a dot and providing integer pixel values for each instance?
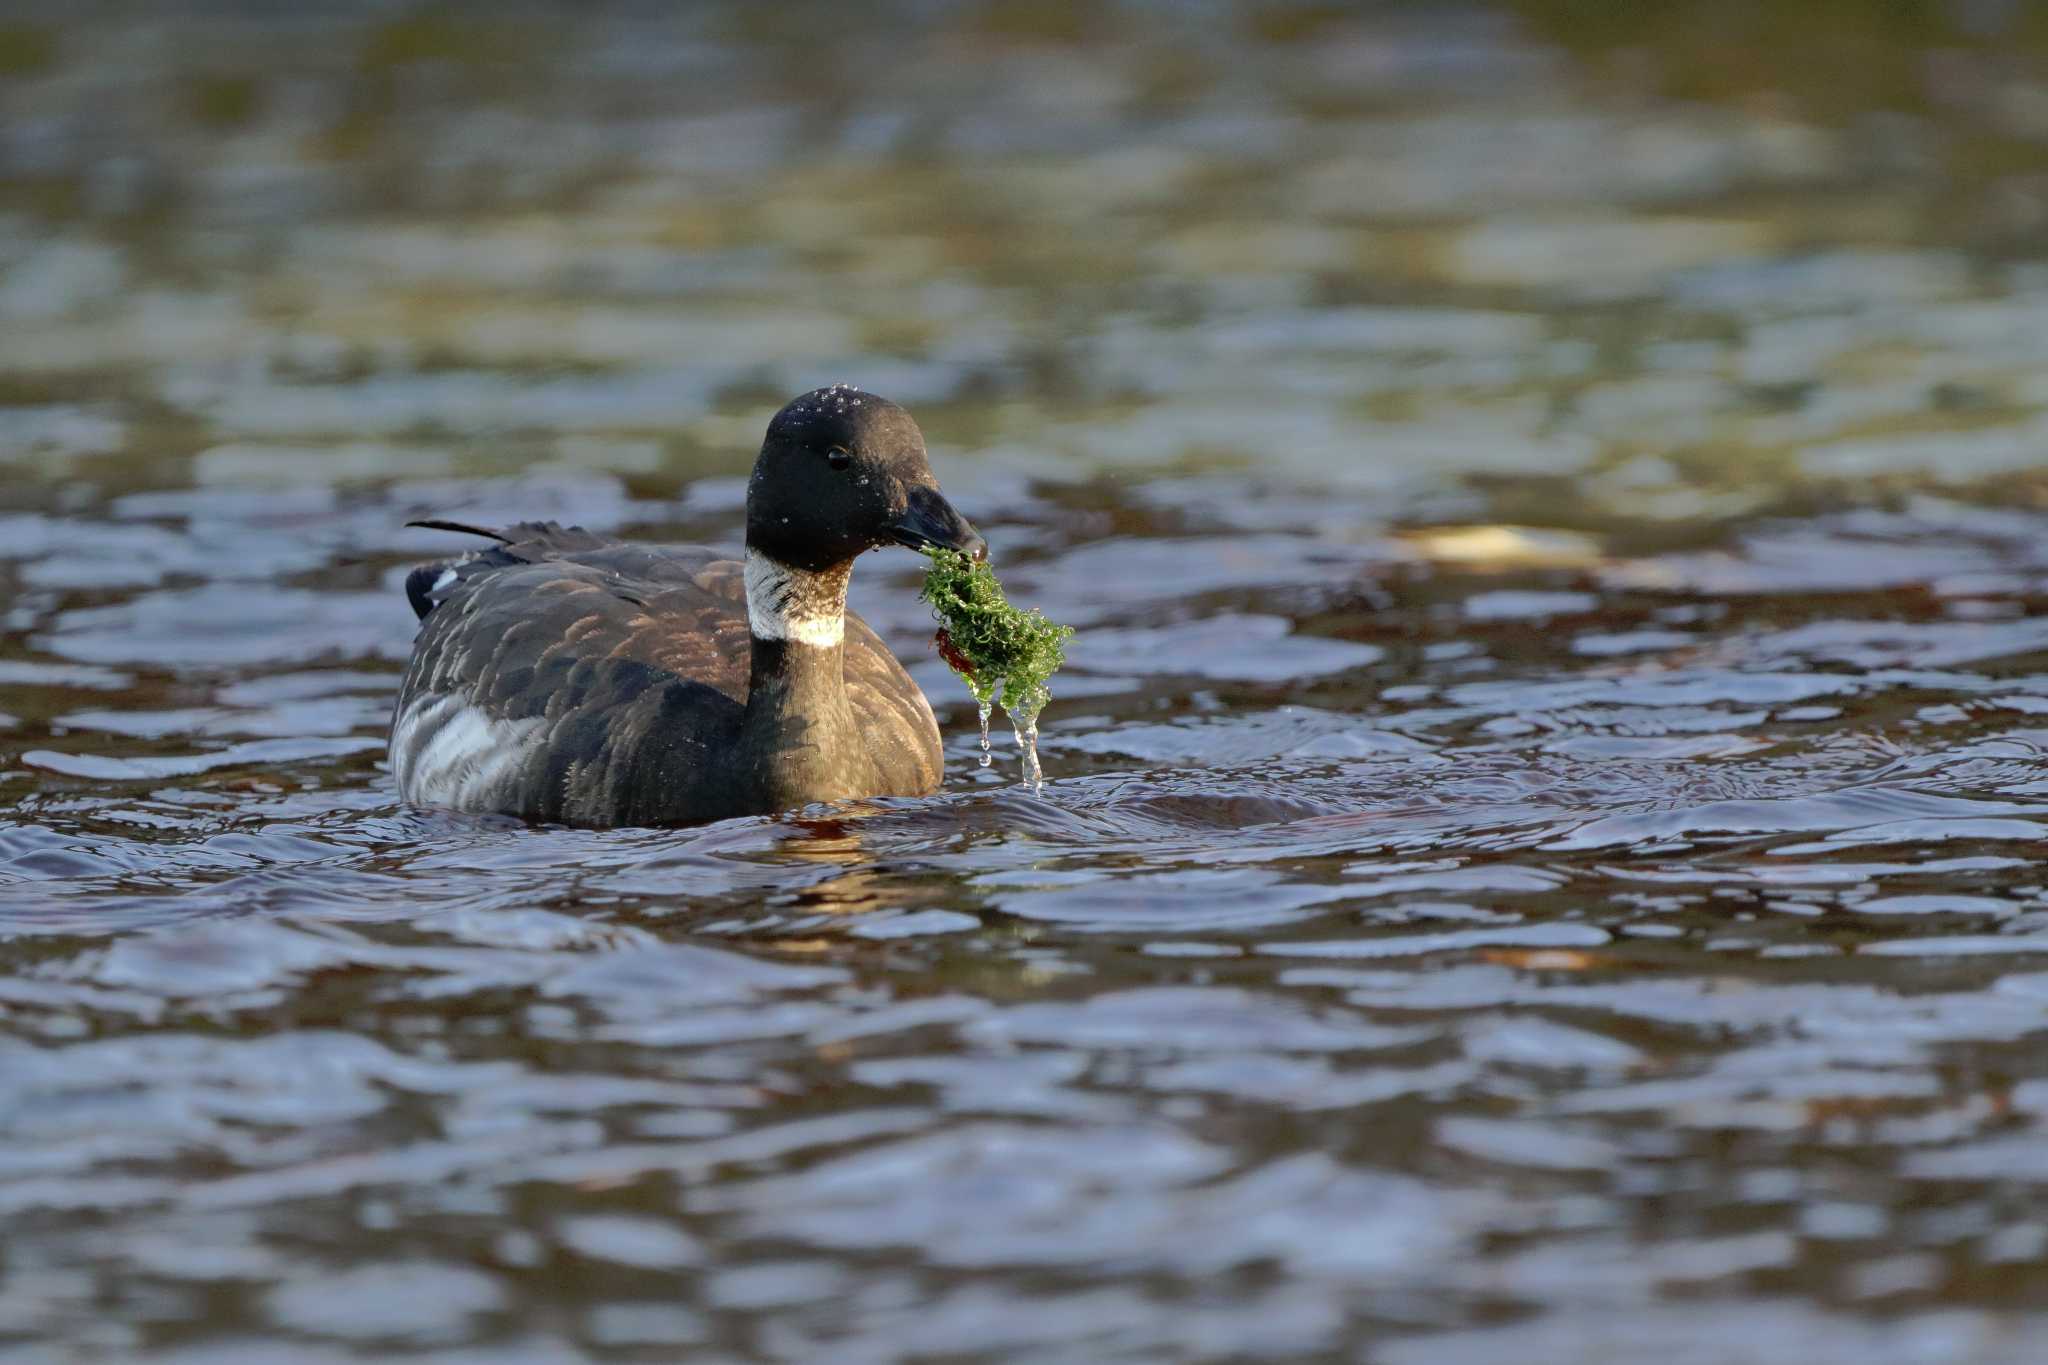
(1540, 854)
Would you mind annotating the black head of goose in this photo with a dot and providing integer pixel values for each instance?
(561, 675)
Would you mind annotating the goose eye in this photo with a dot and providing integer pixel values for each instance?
(839, 457)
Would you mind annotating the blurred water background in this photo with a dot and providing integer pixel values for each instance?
(1541, 857)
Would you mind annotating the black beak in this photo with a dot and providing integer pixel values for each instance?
(930, 522)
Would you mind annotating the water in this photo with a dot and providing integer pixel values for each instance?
(1024, 724)
(1539, 847)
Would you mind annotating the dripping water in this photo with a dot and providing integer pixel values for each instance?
(987, 708)
(1027, 740)
(1024, 725)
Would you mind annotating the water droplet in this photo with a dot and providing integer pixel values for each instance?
(986, 757)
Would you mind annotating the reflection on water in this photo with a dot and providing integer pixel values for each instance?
(1539, 845)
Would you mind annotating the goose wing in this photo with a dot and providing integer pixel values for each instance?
(557, 672)
(896, 720)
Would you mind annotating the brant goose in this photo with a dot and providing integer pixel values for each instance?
(561, 675)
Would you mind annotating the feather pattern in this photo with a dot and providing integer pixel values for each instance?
(562, 675)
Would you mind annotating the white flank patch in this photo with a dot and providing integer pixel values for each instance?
(791, 604)
(447, 577)
(446, 753)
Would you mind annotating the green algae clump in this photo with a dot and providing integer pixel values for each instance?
(1004, 655)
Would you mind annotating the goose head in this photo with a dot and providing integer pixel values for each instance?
(842, 471)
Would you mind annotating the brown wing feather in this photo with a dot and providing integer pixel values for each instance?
(890, 704)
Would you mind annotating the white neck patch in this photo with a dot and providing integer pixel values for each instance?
(795, 604)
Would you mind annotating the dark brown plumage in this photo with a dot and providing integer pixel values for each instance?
(564, 676)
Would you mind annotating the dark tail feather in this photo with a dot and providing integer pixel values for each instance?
(528, 542)
(419, 587)
(432, 524)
